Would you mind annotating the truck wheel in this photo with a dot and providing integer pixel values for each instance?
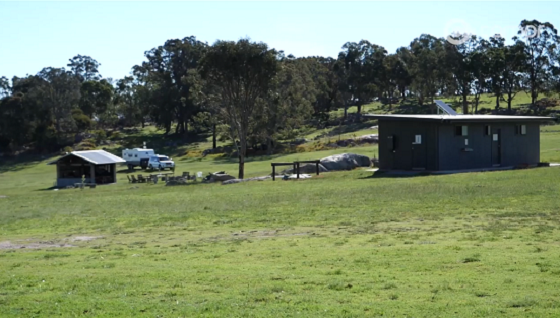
(150, 167)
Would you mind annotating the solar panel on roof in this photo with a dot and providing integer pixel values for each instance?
(445, 108)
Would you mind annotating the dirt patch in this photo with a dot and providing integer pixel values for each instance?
(3, 197)
(85, 238)
(265, 234)
(7, 245)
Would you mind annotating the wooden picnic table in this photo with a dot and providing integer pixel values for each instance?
(160, 174)
(295, 165)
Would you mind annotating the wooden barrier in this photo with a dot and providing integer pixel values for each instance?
(295, 165)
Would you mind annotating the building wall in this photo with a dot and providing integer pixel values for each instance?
(407, 156)
(515, 149)
(444, 150)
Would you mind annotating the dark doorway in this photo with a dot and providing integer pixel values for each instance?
(392, 145)
(496, 147)
(419, 152)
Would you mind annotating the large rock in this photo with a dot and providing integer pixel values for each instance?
(345, 161)
(306, 168)
(373, 138)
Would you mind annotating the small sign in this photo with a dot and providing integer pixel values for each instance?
(466, 142)
(495, 137)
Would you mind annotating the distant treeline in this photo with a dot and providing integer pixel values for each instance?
(252, 93)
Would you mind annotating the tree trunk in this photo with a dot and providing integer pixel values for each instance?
(214, 136)
(497, 101)
(241, 173)
(465, 104)
(269, 149)
(534, 96)
(345, 109)
(476, 106)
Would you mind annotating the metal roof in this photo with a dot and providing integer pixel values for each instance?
(461, 118)
(97, 157)
(445, 108)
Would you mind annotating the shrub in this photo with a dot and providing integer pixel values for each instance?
(116, 135)
(99, 136)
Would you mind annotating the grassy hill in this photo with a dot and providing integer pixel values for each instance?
(344, 244)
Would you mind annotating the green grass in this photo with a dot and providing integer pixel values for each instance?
(345, 244)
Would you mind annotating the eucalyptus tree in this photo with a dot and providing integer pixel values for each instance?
(459, 59)
(540, 42)
(323, 72)
(363, 76)
(243, 71)
(163, 74)
(289, 101)
(480, 68)
(85, 68)
(59, 91)
(96, 97)
(426, 52)
(5, 87)
(402, 70)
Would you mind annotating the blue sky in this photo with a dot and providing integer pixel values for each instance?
(47, 33)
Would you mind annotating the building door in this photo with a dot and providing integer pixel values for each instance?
(419, 152)
(496, 147)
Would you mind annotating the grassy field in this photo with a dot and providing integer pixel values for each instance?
(345, 244)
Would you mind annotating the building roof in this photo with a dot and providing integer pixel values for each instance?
(462, 118)
(97, 157)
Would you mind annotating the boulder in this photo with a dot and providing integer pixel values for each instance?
(345, 161)
(306, 168)
(373, 138)
(294, 176)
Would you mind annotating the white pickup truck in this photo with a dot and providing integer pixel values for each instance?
(161, 162)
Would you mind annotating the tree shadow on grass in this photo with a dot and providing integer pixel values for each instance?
(49, 189)
(396, 175)
(345, 129)
(13, 164)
